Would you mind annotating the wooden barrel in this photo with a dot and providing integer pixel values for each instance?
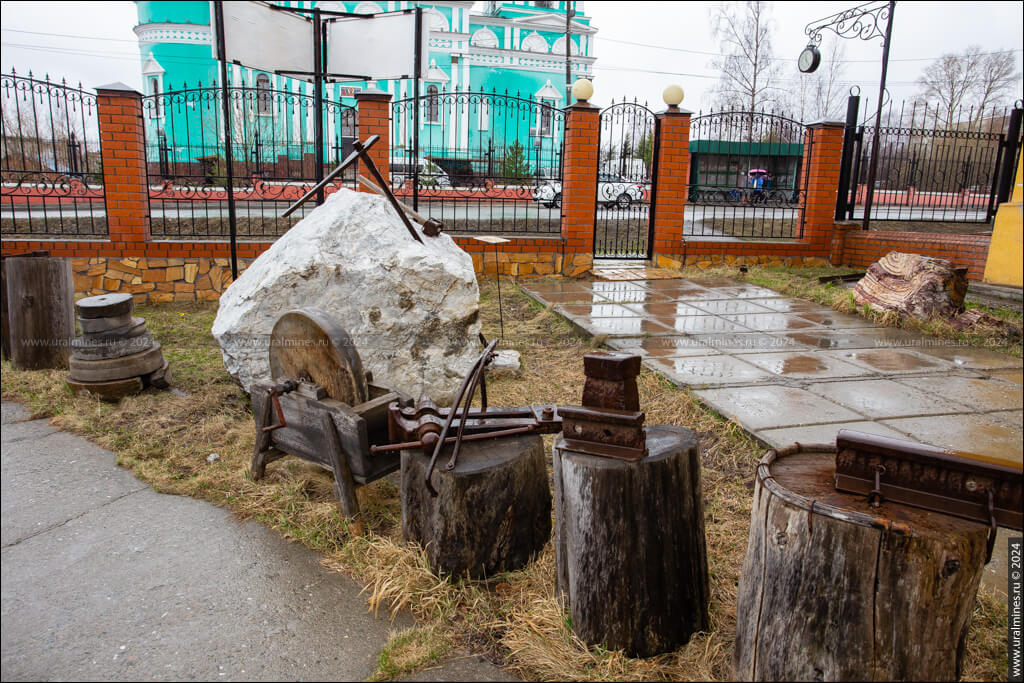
(492, 512)
(835, 590)
(629, 544)
(40, 302)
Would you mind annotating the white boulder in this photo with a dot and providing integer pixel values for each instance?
(411, 309)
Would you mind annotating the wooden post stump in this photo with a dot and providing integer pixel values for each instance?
(40, 300)
(492, 512)
(835, 590)
(629, 544)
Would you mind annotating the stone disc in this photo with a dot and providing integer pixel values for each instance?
(105, 305)
(103, 348)
(136, 328)
(98, 325)
(107, 391)
(135, 365)
(307, 343)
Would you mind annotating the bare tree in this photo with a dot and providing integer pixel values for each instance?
(968, 79)
(819, 96)
(749, 71)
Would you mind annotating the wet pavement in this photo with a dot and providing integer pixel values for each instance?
(791, 370)
(106, 579)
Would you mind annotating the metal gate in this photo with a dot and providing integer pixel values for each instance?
(273, 158)
(934, 164)
(746, 176)
(481, 162)
(624, 209)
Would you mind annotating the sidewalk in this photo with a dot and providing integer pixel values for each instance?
(105, 579)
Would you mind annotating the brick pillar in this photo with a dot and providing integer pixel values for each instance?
(123, 150)
(672, 179)
(579, 186)
(823, 149)
(374, 111)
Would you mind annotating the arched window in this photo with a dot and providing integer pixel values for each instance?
(263, 106)
(433, 105)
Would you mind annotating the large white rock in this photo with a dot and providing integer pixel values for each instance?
(411, 309)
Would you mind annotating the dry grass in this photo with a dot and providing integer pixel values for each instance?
(513, 618)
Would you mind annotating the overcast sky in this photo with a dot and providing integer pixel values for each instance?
(102, 47)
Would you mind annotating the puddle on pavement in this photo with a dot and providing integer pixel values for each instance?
(887, 360)
(830, 340)
(792, 365)
(770, 322)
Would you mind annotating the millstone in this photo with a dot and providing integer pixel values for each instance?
(105, 348)
(134, 365)
(161, 379)
(105, 306)
(107, 391)
(98, 325)
(136, 328)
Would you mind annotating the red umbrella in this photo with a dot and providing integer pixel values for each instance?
(756, 170)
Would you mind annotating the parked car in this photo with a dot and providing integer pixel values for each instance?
(612, 191)
(431, 175)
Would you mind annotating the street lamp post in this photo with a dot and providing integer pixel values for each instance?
(864, 22)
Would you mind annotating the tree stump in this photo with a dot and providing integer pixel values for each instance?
(629, 544)
(833, 589)
(492, 512)
(40, 300)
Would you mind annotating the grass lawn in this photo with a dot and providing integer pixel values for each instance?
(513, 618)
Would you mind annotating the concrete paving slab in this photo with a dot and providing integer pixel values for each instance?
(661, 347)
(51, 477)
(893, 361)
(631, 326)
(892, 337)
(708, 371)
(884, 398)
(970, 357)
(632, 296)
(1015, 376)
(773, 406)
(745, 292)
(981, 434)
(784, 305)
(579, 296)
(831, 339)
(771, 322)
(836, 320)
(665, 285)
(977, 394)
(596, 310)
(13, 412)
(1011, 417)
(665, 309)
(727, 306)
(809, 365)
(698, 324)
(823, 433)
(747, 342)
(609, 290)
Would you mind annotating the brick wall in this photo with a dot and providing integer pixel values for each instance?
(673, 178)
(579, 178)
(860, 248)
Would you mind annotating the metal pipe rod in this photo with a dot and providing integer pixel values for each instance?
(873, 168)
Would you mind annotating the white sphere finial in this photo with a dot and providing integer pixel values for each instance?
(582, 90)
(673, 95)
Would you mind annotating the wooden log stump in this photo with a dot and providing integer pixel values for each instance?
(835, 590)
(40, 299)
(492, 512)
(629, 544)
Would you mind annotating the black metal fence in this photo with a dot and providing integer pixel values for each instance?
(50, 162)
(746, 175)
(935, 164)
(624, 210)
(273, 158)
(481, 162)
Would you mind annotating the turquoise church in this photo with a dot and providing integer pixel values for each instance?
(513, 47)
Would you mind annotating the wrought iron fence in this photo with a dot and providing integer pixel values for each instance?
(481, 162)
(935, 164)
(746, 175)
(273, 158)
(624, 210)
(50, 160)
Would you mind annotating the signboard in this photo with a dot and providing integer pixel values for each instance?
(260, 37)
(378, 47)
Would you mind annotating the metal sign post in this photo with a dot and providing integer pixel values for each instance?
(230, 178)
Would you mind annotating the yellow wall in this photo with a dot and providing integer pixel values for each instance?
(1005, 253)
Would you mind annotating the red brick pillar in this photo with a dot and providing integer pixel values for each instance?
(823, 149)
(374, 111)
(123, 150)
(579, 187)
(672, 180)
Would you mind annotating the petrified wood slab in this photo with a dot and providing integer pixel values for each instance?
(914, 285)
(492, 512)
(629, 544)
(833, 589)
